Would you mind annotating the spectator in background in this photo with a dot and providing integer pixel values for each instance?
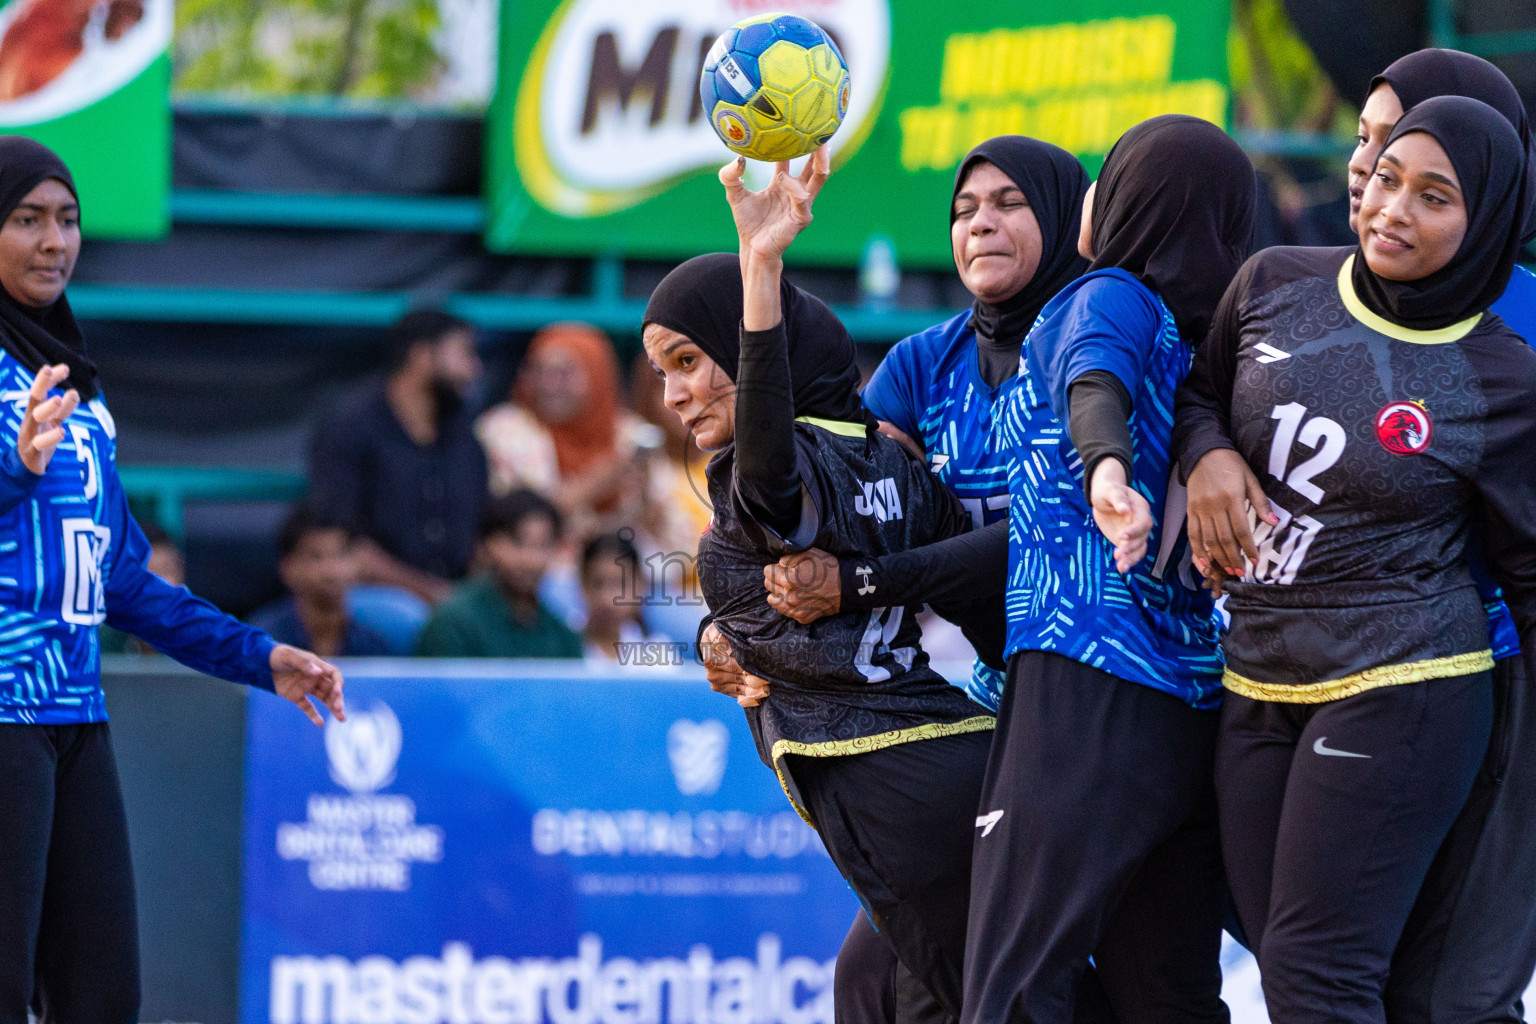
(317, 561)
(673, 515)
(614, 590)
(165, 561)
(165, 558)
(564, 434)
(677, 512)
(498, 614)
(399, 463)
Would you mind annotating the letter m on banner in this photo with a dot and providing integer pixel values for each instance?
(85, 547)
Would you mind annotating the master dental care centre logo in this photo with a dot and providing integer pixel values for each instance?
(608, 112)
(590, 987)
(362, 839)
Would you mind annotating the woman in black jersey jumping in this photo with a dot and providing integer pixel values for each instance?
(1385, 413)
(872, 746)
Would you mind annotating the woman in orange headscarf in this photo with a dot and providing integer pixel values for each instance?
(567, 434)
(564, 434)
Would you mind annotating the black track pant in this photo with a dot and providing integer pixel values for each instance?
(68, 921)
(864, 985)
(898, 824)
(1469, 949)
(1097, 838)
(873, 987)
(1330, 816)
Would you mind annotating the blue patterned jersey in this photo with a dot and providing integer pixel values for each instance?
(1154, 625)
(1517, 308)
(71, 558)
(929, 387)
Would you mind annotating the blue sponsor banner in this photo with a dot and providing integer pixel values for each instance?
(527, 843)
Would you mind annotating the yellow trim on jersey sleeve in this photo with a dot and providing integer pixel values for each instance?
(1381, 325)
(842, 427)
(1370, 679)
(867, 744)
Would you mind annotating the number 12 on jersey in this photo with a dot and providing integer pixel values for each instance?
(1283, 547)
(1320, 433)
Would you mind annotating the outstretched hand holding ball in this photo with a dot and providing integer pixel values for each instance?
(768, 220)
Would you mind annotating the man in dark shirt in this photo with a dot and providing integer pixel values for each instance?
(498, 614)
(399, 463)
(317, 561)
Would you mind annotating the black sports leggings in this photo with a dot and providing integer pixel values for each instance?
(1096, 838)
(69, 938)
(898, 823)
(1330, 817)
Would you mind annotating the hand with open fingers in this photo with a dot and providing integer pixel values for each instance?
(804, 586)
(724, 674)
(301, 677)
(1122, 514)
(1221, 490)
(768, 220)
(42, 425)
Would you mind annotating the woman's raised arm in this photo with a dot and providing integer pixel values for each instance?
(766, 474)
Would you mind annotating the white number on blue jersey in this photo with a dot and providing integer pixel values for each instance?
(977, 508)
(87, 456)
(85, 547)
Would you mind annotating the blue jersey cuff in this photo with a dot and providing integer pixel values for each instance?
(14, 473)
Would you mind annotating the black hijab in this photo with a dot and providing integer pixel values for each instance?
(1490, 163)
(1425, 74)
(39, 336)
(702, 300)
(1054, 183)
(1174, 206)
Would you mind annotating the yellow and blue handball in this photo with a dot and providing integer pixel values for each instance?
(775, 87)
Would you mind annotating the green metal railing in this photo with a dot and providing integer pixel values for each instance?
(162, 492)
(449, 214)
(1443, 31)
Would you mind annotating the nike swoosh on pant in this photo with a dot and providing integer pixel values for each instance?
(1326, 751)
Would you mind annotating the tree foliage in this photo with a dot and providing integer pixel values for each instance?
(354, 48)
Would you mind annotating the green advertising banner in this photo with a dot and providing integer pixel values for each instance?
(91, 79)
(596, 141)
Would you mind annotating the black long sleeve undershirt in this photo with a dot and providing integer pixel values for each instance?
(963, 579)
(1098, 419)
(1202, 406)
(966, 567)
(766, 471)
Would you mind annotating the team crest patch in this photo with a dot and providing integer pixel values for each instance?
(733, 128)
(1404, 428)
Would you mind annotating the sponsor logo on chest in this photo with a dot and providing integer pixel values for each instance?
(879, 499)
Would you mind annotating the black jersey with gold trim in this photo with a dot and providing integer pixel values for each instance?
(1375, 446)
(854, 681)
